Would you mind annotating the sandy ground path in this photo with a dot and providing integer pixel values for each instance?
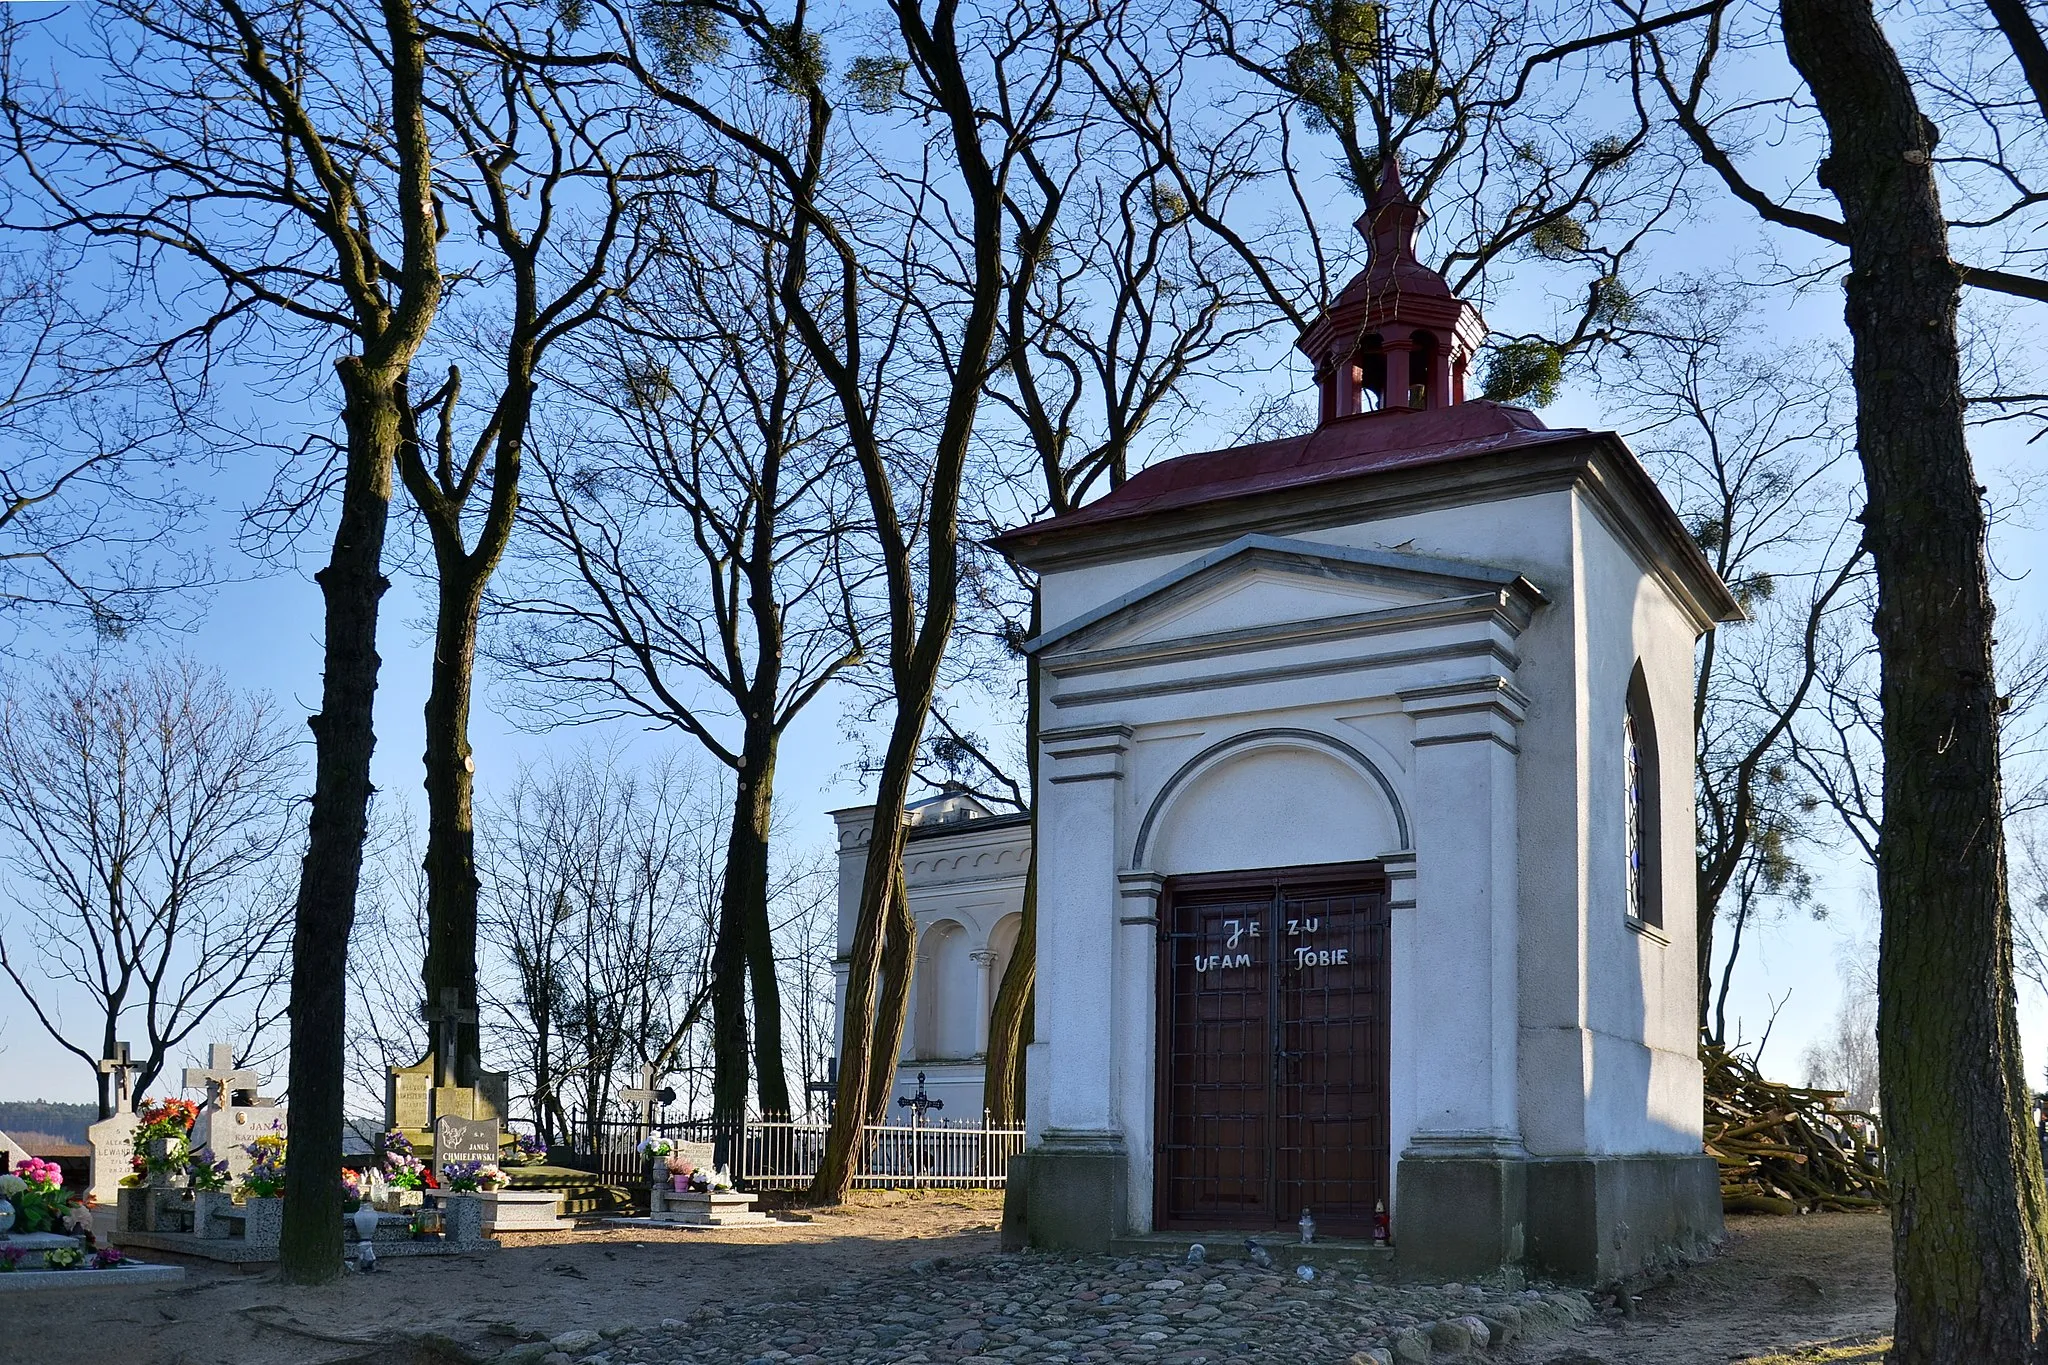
(548, 1283)
(1779, 1284)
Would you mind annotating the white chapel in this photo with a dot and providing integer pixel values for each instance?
(1364, 829)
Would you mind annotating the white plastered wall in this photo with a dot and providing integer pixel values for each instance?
(1596, 1027)
(966, 882)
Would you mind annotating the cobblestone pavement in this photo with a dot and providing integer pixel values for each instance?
(1062, 1310)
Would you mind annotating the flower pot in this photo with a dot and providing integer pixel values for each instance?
(6, 1216)
(206, 1205)
(263, 1221)
(681, 1182)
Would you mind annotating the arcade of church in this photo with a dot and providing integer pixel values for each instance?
(964, 871)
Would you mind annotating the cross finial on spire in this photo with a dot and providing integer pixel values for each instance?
(1391, 218)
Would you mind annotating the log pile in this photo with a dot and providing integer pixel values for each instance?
(1786, 1148)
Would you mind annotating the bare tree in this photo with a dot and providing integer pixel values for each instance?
(1504, 115)
(691, 557)
(600, 893)
(909, 238)
(807, 942)
(1970, 1217)
(145, 815)
(551, 162)
(387, 944)
(1845, 1059)
(268, 170)
(90, 439)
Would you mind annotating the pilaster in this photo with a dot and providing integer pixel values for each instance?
(1077, 922)
(1465, 898)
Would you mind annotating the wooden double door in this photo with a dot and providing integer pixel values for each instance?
(1273, 1058)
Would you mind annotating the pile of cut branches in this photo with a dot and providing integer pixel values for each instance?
(1786, 1148)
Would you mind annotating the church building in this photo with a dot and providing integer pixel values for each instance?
(1365, 826)
(963, 871)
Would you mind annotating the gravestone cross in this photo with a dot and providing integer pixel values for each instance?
(220, 1078)
(113, 1137)
(447, 1018)
(119, 1067)
(643, 1096)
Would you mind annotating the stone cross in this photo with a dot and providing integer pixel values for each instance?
(118, 1066)
(447, 1018)
(220, 1078)
(643, 1096)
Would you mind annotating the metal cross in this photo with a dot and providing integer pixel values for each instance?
(447, 1018)
(920, 1102)
(220, 1078)
(118, 1066)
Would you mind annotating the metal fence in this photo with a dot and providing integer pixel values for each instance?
(784, 1155)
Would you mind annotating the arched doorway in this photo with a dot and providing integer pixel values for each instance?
(1275, 989)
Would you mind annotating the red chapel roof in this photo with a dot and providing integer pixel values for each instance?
(1344, 448)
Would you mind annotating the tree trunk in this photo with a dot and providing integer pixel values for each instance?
(309, 1250)
(879, 878)
(1969, 1236)
(1003, 1090)
(892, 1016)
(744, 902)
(451, 830)
(729, 1076)
(1003, 1086)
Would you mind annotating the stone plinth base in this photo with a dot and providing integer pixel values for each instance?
(1580, 1220)
(523, 1211)
(1071, 1191)
(723, 1210)
(1593, 1220)
(27, 1250)
(254, 1241)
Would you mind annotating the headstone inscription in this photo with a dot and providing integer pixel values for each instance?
(460, 1139)
(113, 1137)
(113, 1153)
(408, 1096)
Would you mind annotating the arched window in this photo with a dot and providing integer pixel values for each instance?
(1641, 841)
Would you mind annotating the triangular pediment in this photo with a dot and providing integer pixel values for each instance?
(1260, 582)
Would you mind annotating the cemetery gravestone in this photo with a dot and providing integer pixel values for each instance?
(218, 1078)
(460, 1139)
(113, 1137)
(408, 1096)
(113, 1152)
(233, 1115)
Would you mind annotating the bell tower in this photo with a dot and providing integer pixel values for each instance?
(1396, 337)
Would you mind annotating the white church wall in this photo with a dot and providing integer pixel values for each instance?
(1644, 1091)
(1281, 802)
(966, 886)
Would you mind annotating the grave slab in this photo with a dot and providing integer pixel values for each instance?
(723, 1210)
(21, 1281)
(524, 1211)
